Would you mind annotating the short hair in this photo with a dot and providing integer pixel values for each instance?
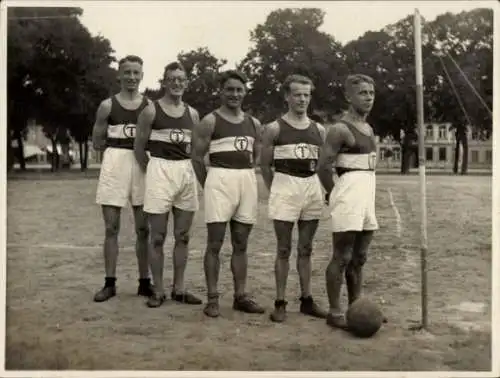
(300, 79)
(233, 74)
(356, 79)
(131, 58)
(172, 67)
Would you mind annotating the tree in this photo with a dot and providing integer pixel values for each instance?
(388, 56)
(203, 70)
(62, 71)
(464, 46)
(289, 42)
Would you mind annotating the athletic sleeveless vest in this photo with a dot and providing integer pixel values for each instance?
(296, 151)
(362, 156)
(171, 137)
(122, 124)
(232, 143)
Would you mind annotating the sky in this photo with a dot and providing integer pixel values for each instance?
(159, 30)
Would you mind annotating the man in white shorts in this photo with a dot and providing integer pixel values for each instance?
(291, 144)
(350, 145)
(121, 180)
(231, 138)
(166, 126)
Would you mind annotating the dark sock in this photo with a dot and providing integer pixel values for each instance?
(109, 282)
(144, 282)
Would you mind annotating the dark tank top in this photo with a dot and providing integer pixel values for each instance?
(362, 156)
(171, 137)
(122, 124)
(296, 151)
(231, 145)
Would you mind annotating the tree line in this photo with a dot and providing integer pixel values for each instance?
(58, 73)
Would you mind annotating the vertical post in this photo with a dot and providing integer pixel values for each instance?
(421, 164)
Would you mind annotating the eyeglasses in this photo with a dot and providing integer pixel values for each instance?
(180, 80)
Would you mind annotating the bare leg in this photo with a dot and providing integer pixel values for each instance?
(111, 216)
(158, 224)
(142, 251)
(211, 263)
(182, 225)
(239, 267)
(343, 244)
(354, 271)
(283, 231)
(307, 231)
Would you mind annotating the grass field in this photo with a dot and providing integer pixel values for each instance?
(54, 234)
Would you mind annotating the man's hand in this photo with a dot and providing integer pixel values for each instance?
(143, 132)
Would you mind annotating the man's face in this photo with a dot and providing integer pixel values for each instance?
(233, 93)
(175, 82)
(298, 97)
(130, 75)
(361, 97)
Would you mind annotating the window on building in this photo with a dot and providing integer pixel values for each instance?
(429, 132)
(382, 153)
(443, 132)
(442, 153)
(489, 156)
(474, 155)
(429, 154)
(396, 153)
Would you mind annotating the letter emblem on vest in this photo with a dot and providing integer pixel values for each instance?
(129, 130)
(241, 143)
(176, 135)
(302, 151)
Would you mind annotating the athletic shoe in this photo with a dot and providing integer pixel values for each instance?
(309, 307)
(279, 313)
(244, 303)
(186, 298)
(107, 292)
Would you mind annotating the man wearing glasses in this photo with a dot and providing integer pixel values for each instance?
(165, 127)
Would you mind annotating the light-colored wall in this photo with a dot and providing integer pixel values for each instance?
(438, 138)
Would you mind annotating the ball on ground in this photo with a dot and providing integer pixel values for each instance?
(364, 318)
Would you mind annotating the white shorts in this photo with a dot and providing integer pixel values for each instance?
(231, 194)
(292, 198)
(352, 202)
(170, 183)
(121, 179)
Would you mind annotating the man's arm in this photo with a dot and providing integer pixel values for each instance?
(200, 142)
(257, 146)
(195, 116)
(142, 134)
(334, 139)
(100, 129)
(267, 152)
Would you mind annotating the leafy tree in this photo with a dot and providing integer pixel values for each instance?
(290, 42)
(389, 57)
(464, 46)
(203, 70)
(60, 70)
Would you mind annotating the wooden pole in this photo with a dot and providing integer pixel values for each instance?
(421, 165)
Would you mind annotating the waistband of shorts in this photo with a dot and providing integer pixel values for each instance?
(300, 178)
(224, 169)
(345, 171)
(169, 161)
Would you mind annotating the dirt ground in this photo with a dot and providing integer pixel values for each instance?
(55, 265)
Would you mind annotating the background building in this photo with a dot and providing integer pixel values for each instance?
(440, 149)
